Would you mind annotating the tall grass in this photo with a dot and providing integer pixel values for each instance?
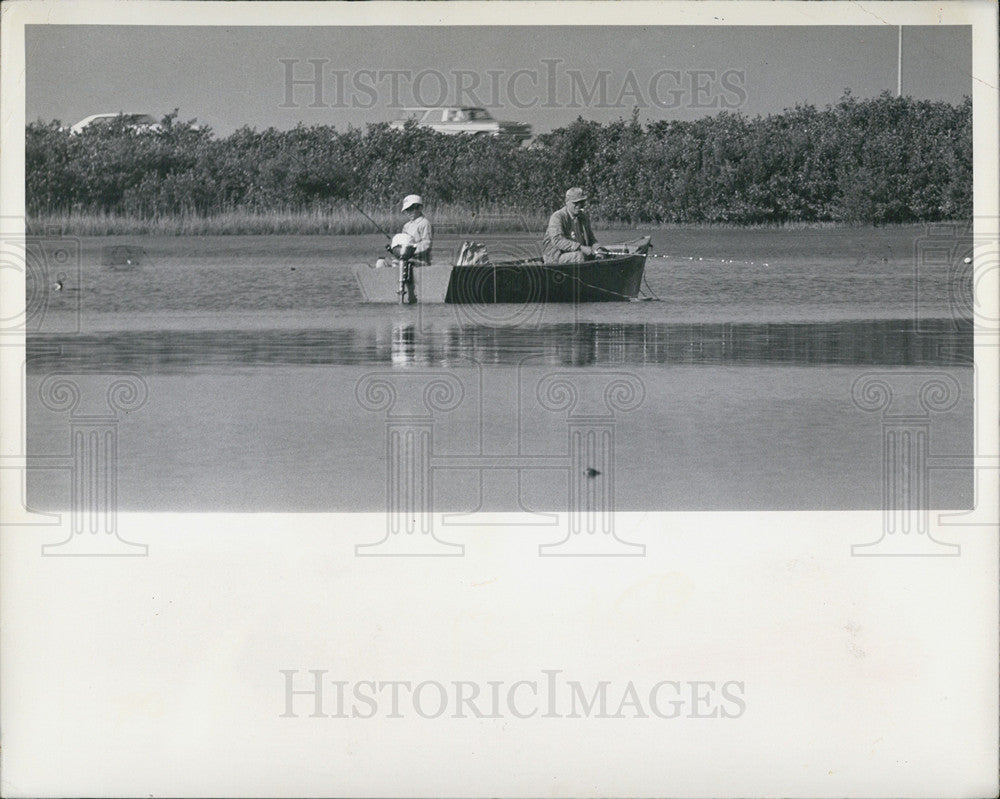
(447, 220)
(450, 221)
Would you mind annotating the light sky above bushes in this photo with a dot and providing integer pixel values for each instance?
(230, 77)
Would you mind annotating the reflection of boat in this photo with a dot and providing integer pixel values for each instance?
(613, 278)
(455, 339)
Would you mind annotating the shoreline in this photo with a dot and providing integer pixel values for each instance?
(450, 222)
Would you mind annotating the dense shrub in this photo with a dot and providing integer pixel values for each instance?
(882, 160)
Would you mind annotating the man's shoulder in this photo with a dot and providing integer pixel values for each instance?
(558, 214)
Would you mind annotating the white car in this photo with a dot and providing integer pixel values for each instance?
(141, 123)
(462, 119)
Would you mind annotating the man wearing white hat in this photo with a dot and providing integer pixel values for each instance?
(418, 228)
(569, 237)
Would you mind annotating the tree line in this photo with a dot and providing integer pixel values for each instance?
(876, 161)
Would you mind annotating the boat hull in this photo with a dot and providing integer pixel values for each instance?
(382, 284)
(616, 279)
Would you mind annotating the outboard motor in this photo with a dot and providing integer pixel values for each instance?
(402, 246)
(403, 249)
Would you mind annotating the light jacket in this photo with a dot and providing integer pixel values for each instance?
(419, 230)
(566, 234)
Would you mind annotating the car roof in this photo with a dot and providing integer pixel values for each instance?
(116, 114)
(442, 108)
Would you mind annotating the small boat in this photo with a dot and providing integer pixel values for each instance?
(615, 277)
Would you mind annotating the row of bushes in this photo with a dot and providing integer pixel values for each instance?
(882, 160)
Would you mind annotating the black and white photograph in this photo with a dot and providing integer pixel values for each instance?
(499, 399)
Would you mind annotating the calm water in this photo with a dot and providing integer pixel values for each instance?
(402, 342)
(286, 280)
(255, 353)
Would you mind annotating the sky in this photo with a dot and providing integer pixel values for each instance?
(227, 77)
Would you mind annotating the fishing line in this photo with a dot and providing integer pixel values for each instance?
(583, 282)
(646, 284)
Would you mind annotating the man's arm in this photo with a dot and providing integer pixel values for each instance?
(554, 235)
(591, 238)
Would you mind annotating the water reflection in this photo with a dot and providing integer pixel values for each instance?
(887, 342)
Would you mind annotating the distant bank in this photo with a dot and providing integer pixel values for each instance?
(881, 161)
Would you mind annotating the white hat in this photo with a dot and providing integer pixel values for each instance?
(412, 199)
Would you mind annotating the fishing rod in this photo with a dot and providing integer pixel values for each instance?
(377, 225)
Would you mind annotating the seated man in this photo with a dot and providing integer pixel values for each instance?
(569, 238)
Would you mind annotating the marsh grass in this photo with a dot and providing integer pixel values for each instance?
(447, 220)
(454, 220)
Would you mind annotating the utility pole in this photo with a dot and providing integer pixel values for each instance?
(899, 64)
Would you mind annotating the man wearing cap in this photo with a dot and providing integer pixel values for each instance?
(418, 228)
(569, 237)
